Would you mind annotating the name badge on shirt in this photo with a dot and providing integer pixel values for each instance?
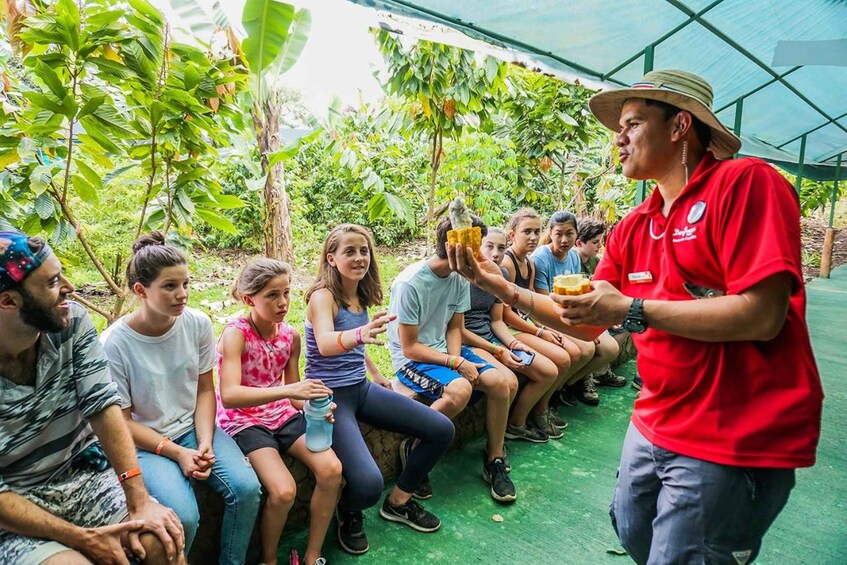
(642, 277)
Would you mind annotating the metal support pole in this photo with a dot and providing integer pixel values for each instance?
(739, 108)
(641, 188)
(834, 196)
(800, 164)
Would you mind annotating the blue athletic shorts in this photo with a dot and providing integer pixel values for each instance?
(429, 379)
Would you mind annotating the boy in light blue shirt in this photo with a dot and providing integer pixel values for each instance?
(425, 342)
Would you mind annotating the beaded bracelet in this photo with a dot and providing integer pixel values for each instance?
(161, 445)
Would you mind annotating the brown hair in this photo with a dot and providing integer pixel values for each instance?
(521, 215)
(589, 228)
(150, 254)
(256, 275)
(369, 289)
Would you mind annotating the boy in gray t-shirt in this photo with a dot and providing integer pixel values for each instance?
(425, 342)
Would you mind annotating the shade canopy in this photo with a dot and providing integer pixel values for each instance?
(777, 68)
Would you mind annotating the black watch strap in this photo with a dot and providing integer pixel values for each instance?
(634, 321)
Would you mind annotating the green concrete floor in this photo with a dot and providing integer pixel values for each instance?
(564, 487)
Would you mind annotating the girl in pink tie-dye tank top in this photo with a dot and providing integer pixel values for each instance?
(260, 395)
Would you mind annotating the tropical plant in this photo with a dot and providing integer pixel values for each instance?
(276, 35)
(446, 90)
(101, 90)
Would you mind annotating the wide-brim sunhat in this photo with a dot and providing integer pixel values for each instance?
(682, 89)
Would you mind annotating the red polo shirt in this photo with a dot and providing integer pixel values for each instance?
(747, 403)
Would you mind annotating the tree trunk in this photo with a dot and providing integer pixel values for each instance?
(277, 219)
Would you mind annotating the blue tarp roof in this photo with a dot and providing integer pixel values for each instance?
(732, 43)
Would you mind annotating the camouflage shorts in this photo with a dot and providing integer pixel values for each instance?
(87, 498)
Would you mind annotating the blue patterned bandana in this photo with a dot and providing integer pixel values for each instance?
(17, 260)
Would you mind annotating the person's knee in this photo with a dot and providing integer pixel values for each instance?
(499, 385)
(246, 490)
(365, 488)
(457, 394)
(155, 552)
(189, 515)
(328, 474)
(281, 496)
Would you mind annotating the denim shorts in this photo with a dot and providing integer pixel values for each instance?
(429, 379)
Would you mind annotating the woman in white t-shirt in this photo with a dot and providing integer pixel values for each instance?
(161, 357)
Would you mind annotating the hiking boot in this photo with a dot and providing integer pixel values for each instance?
(351, 531)
(586, 392)
(502, 487)
(412, 514)
(542, 422)
(637, 383)
(555, 419)
(567, 396)
(526, 433)
(424, 489)
(608, 378)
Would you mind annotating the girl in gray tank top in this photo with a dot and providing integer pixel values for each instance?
(337, 329)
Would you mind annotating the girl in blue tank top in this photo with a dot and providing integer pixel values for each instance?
(337, 329)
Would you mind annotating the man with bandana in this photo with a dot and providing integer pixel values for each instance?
(70, 487)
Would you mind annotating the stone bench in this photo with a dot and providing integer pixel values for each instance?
(382, 444)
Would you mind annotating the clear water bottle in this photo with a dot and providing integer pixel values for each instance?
(318, 428)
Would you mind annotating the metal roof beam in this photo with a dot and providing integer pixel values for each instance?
(690, 19)
(826, 123)
(834, 155)
(508, 41)
(757, 89)
(729, 41)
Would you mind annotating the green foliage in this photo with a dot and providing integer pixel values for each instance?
(103, 92)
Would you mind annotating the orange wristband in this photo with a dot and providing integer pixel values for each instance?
(128, 474)
(161, 445)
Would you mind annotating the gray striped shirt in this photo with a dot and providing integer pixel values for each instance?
(43, 427)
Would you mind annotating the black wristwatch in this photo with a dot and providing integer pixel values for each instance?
(634, 321)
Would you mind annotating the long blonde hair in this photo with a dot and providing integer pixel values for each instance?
(370, 287)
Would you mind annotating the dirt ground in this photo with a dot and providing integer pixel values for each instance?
(813, 231)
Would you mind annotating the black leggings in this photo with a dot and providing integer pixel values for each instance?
(391, 411)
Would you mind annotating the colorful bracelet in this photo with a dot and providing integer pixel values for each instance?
(134, 472)
(359, 336)
(161, 445)
(512, 344)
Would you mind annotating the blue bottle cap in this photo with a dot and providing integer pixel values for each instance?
(322, 402)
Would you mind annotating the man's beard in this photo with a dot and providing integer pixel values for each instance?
(40, 317)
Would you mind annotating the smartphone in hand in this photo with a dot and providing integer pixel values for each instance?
(525, 357)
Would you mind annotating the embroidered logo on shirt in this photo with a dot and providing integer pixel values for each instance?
(696, 212)
(686, 233)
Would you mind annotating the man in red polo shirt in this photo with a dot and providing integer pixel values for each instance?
(707, 275)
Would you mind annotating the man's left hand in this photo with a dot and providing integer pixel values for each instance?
(163, 523)
(603, 306)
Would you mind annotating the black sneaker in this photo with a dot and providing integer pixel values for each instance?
(586, 392)
(567, 396)
(637, 383)
(424, 489)
(412, 514)
(608, 378)
(351, 531)
(502, 487)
